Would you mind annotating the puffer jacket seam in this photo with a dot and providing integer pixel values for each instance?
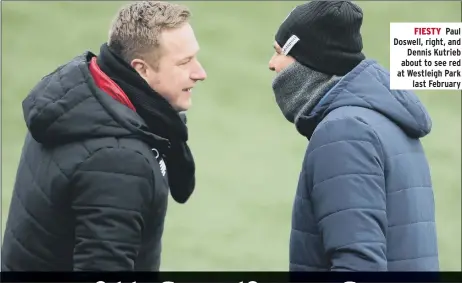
(345, 175)
(304, 232)
(84, 145)
(334, 142)
(59, 168)
(372, 130)
(403, 153)
(415, 102)
(352, 208)
(23, 247)
(411, 223)
(314, 266)
(409, 188)
(62, 114)
(37, 222)
(65, 93)
(413, 258)
(77, 167)
(151, 179)
(34, 182)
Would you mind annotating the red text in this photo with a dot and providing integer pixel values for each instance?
(427, 31)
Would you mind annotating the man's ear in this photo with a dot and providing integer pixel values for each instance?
(140, 66)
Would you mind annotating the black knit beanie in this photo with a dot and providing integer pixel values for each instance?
(324, 36)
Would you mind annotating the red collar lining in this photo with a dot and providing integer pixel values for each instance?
(109, 86)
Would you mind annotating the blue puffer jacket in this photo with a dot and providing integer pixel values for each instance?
(365, 200)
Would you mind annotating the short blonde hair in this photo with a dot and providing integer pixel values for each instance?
(136, 29)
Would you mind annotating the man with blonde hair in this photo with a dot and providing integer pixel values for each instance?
(106, 144)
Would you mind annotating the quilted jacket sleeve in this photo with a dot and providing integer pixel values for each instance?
(111, 193)
(348, 195)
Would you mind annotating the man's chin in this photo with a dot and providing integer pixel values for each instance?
(183, 107)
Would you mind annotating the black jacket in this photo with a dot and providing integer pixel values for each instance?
(89, 193)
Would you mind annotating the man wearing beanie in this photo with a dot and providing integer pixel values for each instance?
(364, 200)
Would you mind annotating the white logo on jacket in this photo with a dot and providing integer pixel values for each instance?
(163, 166)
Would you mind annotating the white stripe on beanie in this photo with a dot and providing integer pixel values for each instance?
(290, 44)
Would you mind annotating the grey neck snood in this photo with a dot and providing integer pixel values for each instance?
(298, 89)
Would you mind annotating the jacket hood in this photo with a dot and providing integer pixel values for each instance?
(67, 106)
(368, 86)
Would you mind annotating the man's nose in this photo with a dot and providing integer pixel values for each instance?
(271, 64)
(199, 74)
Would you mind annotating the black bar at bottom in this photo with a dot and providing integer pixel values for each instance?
(231, 277)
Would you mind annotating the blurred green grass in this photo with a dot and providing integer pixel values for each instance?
(248, 157)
